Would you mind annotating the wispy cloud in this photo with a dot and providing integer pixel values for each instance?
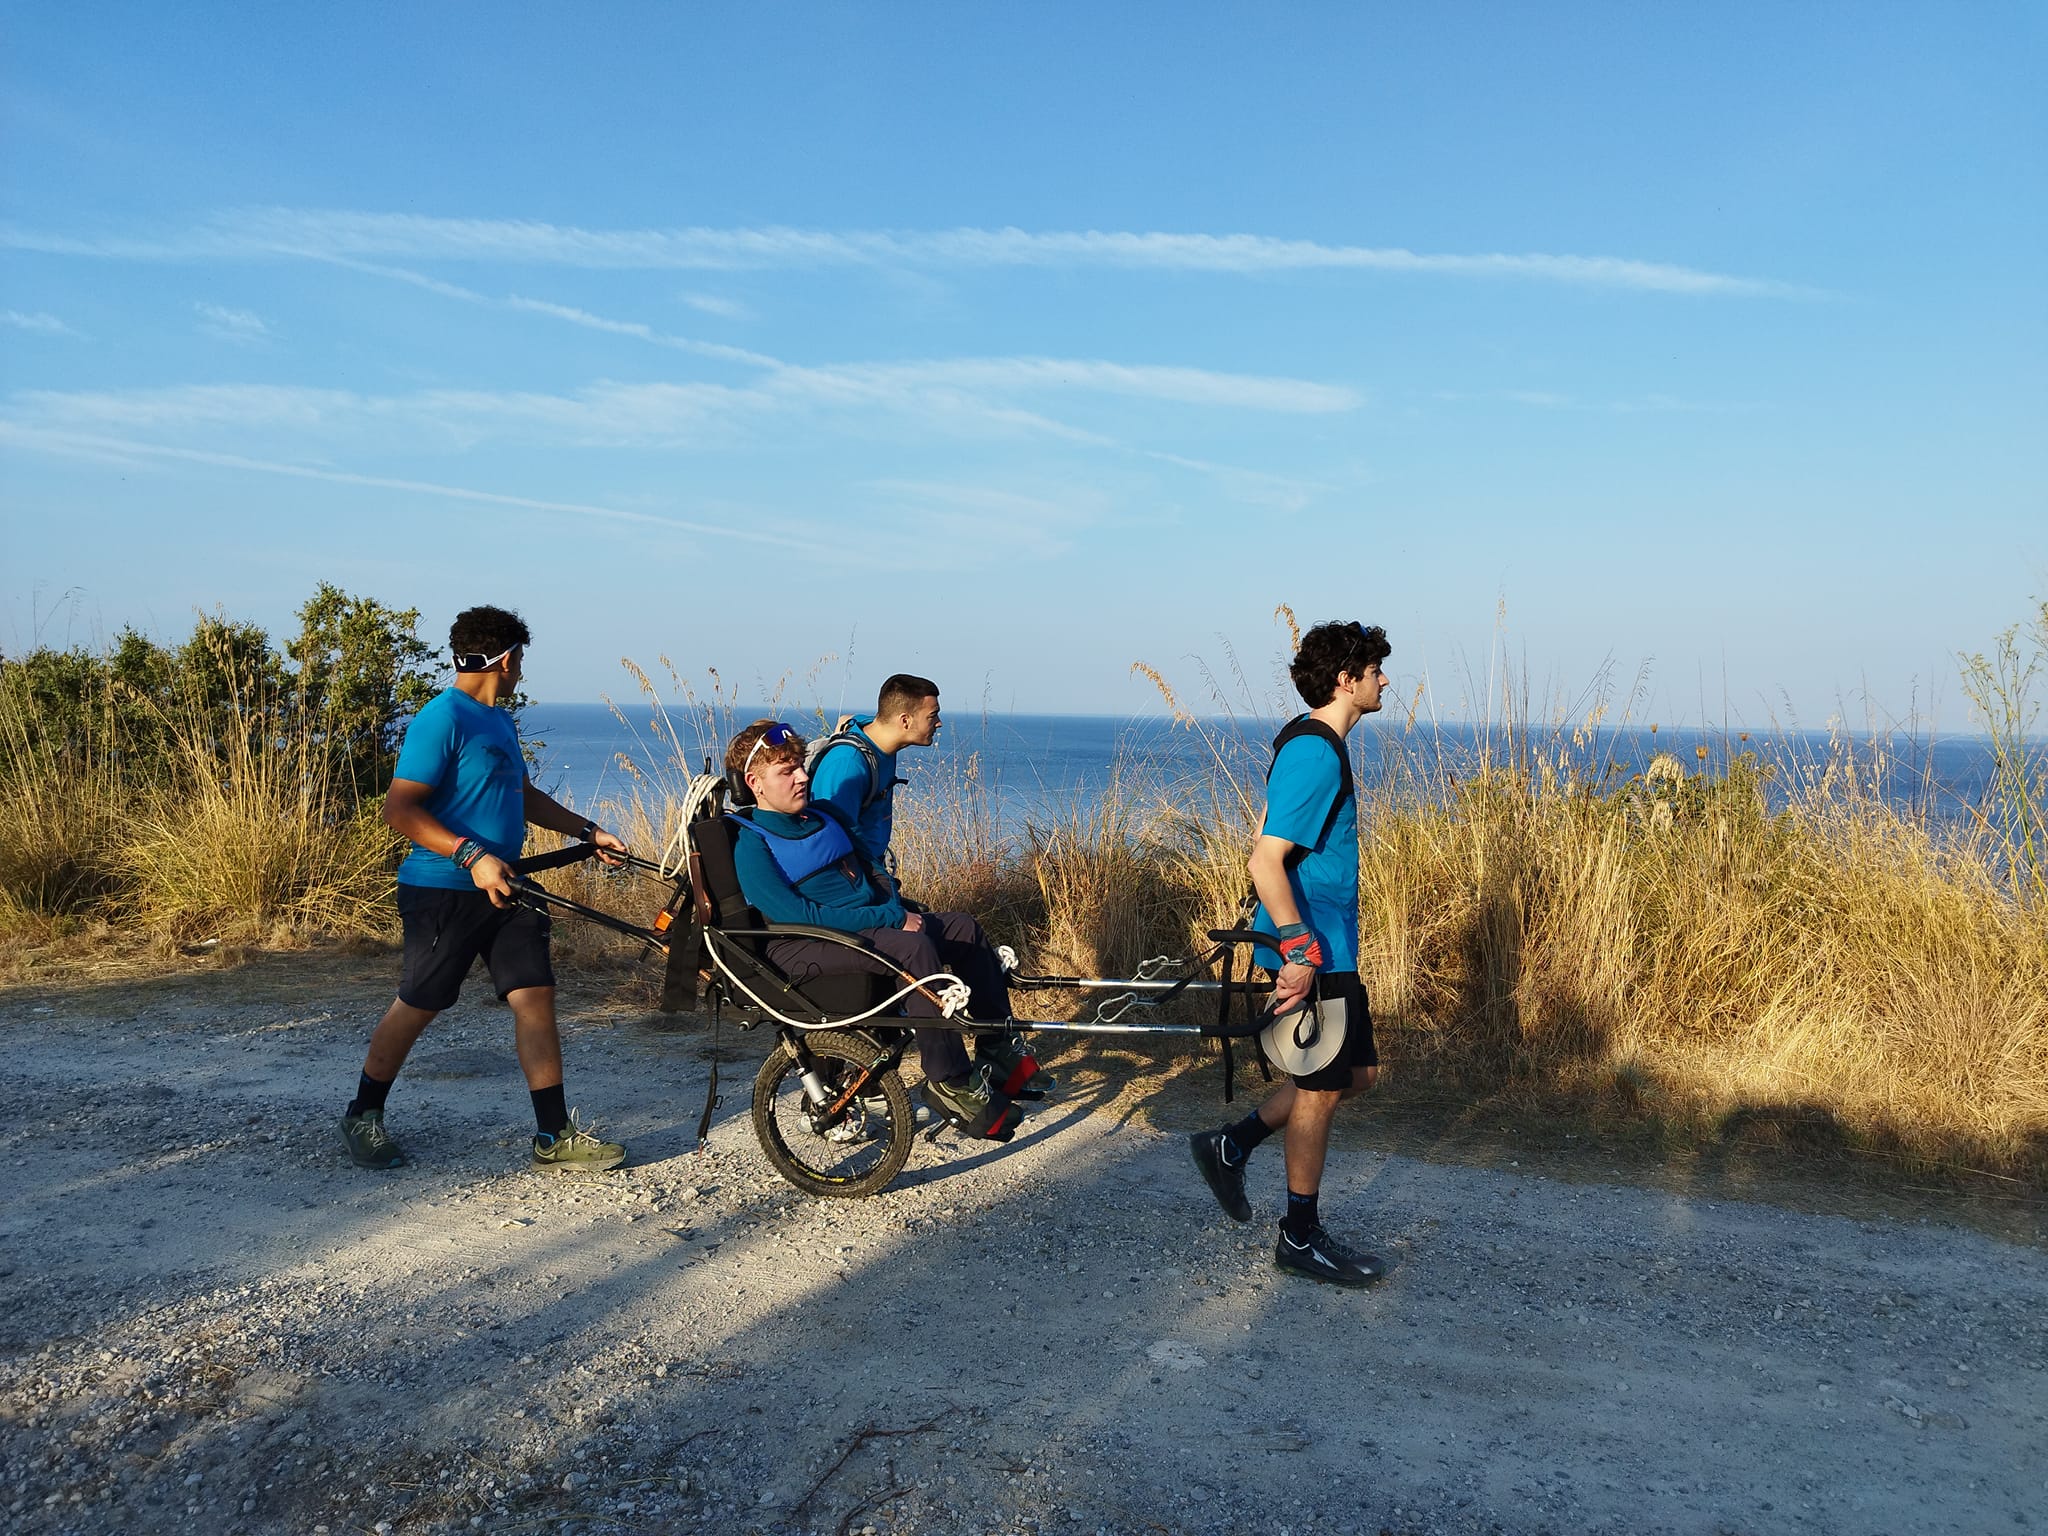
(1010, 375)
(38, 323)
(329, 234)
(973, 395)
(714, 304)
(238, 325)
(85, 445)
(636, 329)
(1018, 524)
(761, 527)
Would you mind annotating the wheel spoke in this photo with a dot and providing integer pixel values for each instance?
(859, 1153)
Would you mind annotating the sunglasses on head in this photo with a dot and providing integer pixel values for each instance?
(774, 736)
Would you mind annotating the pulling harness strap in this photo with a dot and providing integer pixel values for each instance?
(561, 858)
(710, 1088)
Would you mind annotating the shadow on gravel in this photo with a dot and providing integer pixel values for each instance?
(1058, 1333)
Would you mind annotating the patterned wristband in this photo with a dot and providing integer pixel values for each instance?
(1302, 949)
(467, 852)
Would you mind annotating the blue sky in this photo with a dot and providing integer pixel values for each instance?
(1016, 344)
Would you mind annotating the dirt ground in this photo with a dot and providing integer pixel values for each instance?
(210, 1320)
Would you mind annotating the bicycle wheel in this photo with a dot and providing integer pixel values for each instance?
(863, 1149)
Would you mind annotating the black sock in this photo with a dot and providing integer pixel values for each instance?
(370, 1094)
(1301, 1215)
(550, 1110)
(1247, 1134)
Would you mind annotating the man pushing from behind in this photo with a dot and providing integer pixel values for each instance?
(462, 796)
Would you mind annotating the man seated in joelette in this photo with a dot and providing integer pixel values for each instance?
(798, 864)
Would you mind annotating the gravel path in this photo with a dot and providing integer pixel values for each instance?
(211, 1321)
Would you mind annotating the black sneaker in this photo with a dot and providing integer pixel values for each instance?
(1211, 1151)
(1322, 1257)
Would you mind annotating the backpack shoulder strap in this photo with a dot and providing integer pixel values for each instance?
(1308, 725)
(869, 754)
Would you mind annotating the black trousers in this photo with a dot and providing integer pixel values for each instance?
(948, 941)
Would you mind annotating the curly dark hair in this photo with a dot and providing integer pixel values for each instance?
(485, 631)
(1331, 648)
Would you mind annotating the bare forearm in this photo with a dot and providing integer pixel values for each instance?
(410, 820)
(545, 811)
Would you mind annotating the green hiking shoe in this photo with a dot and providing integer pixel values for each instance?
(576, 1149)
(369, 1144)
(972, 1103)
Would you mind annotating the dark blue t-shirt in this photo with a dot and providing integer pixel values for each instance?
(1306, 781)
(470, 753)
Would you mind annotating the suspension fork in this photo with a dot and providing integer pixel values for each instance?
(826, 1106)
(815, 1090)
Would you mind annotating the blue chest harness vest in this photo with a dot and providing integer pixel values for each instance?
(799, 858)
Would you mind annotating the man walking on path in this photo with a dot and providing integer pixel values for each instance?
(854, 771)
(1305, 870)
(461, 794)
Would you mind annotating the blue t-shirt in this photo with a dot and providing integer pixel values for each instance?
(842, 778)
(1306, 781)
(470, 753)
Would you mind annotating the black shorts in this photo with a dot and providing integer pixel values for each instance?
(1359, 1050)
(446, 930)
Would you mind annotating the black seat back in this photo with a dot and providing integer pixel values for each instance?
(714, 880)
(719, 904)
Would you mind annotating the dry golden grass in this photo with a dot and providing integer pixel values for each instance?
(1713, 964)
(234, 832)
(1669, 952)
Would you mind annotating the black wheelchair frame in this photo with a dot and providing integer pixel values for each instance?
(830, 1107)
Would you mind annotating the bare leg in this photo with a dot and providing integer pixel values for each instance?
(393, 1039)
(1308, 1137)
(1279, 1106)
(539, 1042)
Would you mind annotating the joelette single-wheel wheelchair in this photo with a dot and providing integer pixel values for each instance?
(830, 1106)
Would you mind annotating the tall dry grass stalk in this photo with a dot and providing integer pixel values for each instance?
(60, 819)
(246, 837)
(1677, 940)
(232, 825)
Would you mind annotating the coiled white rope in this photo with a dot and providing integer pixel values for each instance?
(702, 787)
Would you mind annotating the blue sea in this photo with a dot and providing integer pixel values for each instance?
(1041, 767)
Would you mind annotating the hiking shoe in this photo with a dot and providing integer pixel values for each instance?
(1015, 1070)
(973, 1103)
(369, 1144)
(576, 1149)
(1322, 1257)
(1211, 1151)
